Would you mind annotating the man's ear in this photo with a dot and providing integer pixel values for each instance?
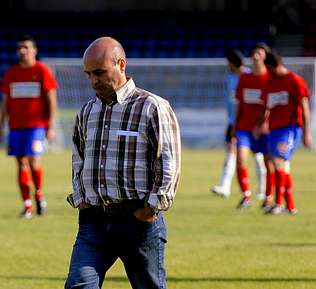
(122, 64)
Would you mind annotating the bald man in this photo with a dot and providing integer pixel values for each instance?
(126, 169)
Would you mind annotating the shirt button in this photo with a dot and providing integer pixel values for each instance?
(106, 126)
(102, 185)
(103, 146)
(102, 166)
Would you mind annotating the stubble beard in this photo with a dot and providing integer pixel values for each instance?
(105, 93)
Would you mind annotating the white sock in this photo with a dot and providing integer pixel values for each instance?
(228, 171)
(261, 172)
(28, 203)
(287, 167)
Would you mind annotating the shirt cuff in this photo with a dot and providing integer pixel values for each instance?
(152, 201)
(75, 200)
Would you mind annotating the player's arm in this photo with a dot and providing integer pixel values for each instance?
(262, 118)
(237, 117)
(238, 105)
(307, 136)
(3, 112)
(52, 108)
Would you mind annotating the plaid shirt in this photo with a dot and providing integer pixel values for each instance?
(127, 150)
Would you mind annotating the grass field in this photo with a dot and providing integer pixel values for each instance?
(210, 243)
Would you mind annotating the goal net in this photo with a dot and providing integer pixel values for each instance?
(194, 87)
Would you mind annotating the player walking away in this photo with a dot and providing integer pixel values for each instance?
(286, 97)
(236, 68)
(29, 102)
(249, 109)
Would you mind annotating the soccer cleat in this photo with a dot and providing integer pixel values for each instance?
(293, 211)
(26, 213)
(267, 208)
(41, 207)
(267, 205)
(244, 203)
(220, 191)
(276, 210)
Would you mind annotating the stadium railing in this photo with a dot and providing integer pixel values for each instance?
(194, 87)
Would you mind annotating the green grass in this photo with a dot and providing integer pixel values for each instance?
(210, 243)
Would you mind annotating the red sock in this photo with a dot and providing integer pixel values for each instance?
(38, 181)
(243, 179)
(24, 184)
(270, 184)
(280, 183)
(289, 197)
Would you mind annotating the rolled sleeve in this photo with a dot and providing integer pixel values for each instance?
(77, 196)
(167, 164)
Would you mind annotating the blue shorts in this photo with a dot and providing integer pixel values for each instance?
(246, 139)
(284, 141)
(26, 142)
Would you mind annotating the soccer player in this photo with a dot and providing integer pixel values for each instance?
(236, 68)
(286, 97)
(29, 102)
(250, 108)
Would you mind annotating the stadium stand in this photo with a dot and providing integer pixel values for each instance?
(187, 35)
(162, 35)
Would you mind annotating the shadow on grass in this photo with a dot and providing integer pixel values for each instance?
(177, 279)
(239, 279)
(294, 244)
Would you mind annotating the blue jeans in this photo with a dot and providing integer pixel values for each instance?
(101, 240)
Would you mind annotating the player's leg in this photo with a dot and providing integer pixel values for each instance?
(270, 184)
(283, 143)
(280, 183)
(36, 142)
(262, 146)
(261, 173)
(24, 180)
(289, 197)
(18, 149)
(37, 176)
(277, 144)
(295, 136)
(243, 149)
(228, 171)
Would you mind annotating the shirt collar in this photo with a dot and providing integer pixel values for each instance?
(125, 92)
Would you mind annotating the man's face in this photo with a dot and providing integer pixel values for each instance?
(103, 74)
(26, 51)
(258, 55)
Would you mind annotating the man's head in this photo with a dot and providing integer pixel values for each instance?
(259, 51)
(104, 62)
(234, 58)
(26, 50)
(273, 61)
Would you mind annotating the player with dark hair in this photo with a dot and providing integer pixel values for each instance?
(29, 102)
(286, 97)
(249, 109)
(236, 68)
